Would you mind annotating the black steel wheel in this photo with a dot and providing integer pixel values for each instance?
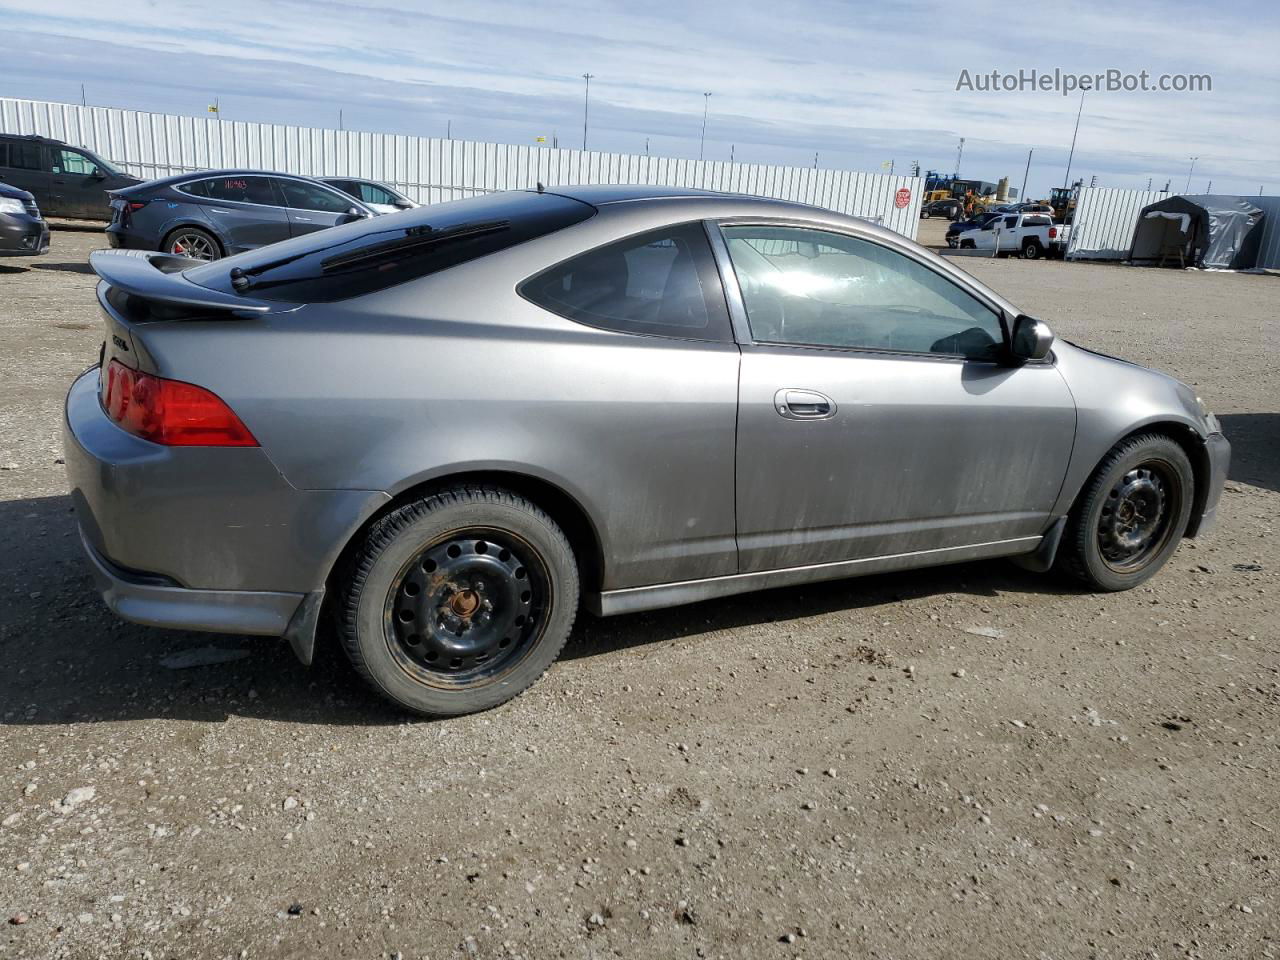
(458, 601)
(1129, 519)
(467, 607)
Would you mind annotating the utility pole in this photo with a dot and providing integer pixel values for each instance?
(959, 154)
(815, 159)
(706, 104)
(731, 149)
(340, 126)
(448, 129)
(646, 146)
(82, 100)
(1067, 179)
(1189, 171)
(586, 103)
(1148, 184)
(1025, 174)
(1209, 188)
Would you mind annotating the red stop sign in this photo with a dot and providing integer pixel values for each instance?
(902, 198)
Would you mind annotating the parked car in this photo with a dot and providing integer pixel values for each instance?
(23, 232)
(1030, 235)
(952, 209)
(964, 226)
(377, 196)
(66, 181)
(447, 428)
(210, 215)
(1034, 207)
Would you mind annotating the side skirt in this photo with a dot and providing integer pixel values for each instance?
(635, 599)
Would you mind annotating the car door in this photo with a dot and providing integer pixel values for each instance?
(877, 416)
(77, 184)
(245, 210)
(313, 206)
(23, 165)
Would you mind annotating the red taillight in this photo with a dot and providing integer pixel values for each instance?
(1053, 232)
(170, 412)
(136, 205)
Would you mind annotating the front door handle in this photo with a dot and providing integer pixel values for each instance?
(797, 404)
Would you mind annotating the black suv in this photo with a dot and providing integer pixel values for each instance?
(66, 181)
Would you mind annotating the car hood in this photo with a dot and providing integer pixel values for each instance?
(13, 193)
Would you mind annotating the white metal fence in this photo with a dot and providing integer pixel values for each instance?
(431, 170)
(1104, 221)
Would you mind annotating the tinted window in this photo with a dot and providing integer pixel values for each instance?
(369, 255)
(197, 188)
(23, 156)
(238, 189)
(825, 289)
(72, 162)
(1036, 221)
(1010, 222)
(662, 283)
(311, 196)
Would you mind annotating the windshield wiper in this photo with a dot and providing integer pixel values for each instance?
(413, 239)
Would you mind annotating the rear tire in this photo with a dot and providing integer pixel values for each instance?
(1130, 516)
(1031, 250)
(193, 242)
(459, 601)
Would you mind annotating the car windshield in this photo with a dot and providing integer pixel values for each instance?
(363, 257)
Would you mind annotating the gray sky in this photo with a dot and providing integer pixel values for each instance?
(859, 84)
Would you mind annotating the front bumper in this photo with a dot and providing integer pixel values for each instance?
(23, 236)
(1218, 451)
(225, 541)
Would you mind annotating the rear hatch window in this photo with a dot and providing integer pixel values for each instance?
(371, 255)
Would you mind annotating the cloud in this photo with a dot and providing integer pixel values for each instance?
(856, 84)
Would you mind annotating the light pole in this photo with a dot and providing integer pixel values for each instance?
(706, 103)
(1189, 171)
(586, 102)
(959, 154)
(1067, 179)
(1025, 173)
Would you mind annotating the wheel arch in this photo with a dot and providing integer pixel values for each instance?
(565, 509)
(1185, 435)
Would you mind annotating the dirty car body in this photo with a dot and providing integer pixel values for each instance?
(688, 395)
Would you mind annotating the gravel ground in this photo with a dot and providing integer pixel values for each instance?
(969, 761)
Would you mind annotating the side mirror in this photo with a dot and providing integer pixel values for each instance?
(351, 216)
(1031, 338)
(98, 174)
(403, 205)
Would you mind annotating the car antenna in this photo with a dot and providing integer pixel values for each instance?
(541, 188)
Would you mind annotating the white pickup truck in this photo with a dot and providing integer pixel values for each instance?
(1030, 235)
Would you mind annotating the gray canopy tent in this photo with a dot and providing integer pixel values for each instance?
(1213, 231)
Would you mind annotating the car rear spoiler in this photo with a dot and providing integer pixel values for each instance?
(157, 278)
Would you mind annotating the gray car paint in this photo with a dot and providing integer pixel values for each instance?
(456, 373)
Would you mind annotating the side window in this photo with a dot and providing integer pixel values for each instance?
(815, 288)
(312, 196)
(72, 162)
(663, 283)
(241, 190)
(197, 188)
(23, 156)
(372, 193)
(1010, 222)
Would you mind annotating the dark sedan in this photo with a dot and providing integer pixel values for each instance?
(955, 231)
(23, 232)
(210, 215)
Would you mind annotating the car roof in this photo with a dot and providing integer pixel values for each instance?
(207, 174)
(601, 193)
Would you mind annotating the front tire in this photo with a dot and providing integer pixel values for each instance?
(1130, 517)
(459, 601)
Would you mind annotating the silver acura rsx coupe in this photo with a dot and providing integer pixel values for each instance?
(441, 432)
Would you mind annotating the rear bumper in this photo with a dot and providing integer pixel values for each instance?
(23, 236)
(157, 603)
(213, 527)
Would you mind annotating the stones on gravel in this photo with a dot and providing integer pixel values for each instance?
(991, 633)
(78, 796)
